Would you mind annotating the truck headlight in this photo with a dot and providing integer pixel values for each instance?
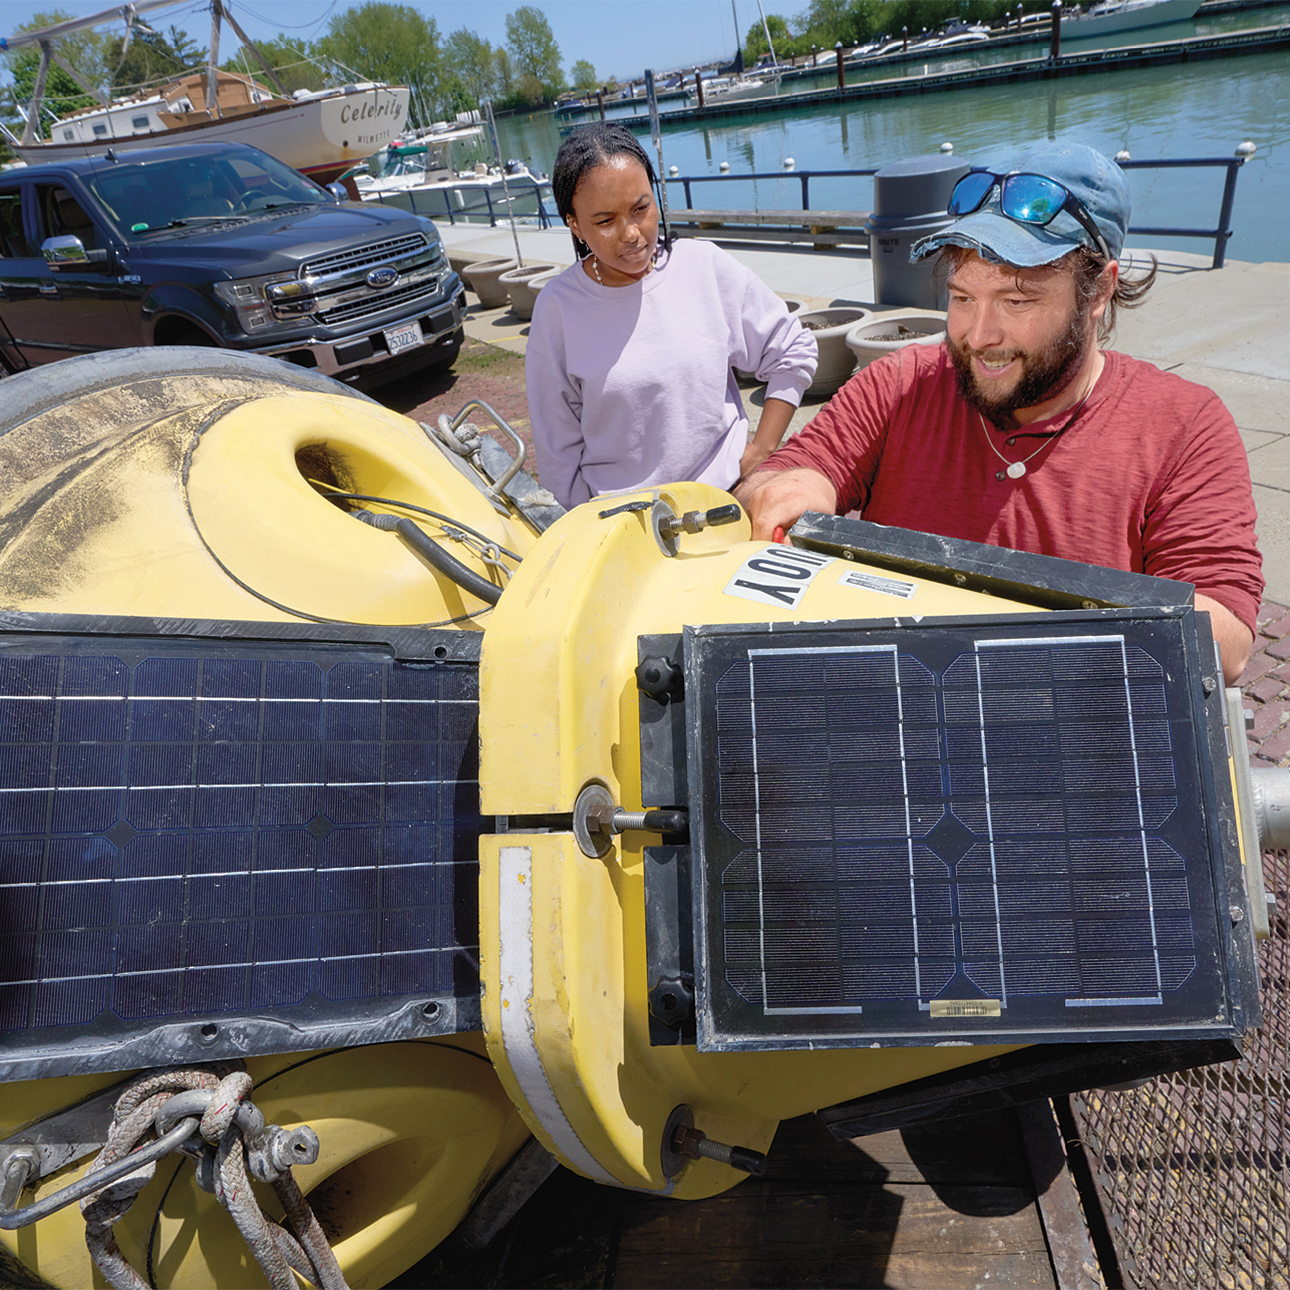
(255, 299)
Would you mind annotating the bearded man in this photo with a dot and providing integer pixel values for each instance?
(1020, 430)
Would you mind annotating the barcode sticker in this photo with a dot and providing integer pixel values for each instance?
(965, 1008)
(875, 582)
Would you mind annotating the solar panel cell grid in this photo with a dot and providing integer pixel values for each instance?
(917, 816)
(185, 833)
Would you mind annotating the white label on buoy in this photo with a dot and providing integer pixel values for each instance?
(778, 575)
(875, 582)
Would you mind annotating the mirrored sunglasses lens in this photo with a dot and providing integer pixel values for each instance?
(970, 192)
(1032, 199)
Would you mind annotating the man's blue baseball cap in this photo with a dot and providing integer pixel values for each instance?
(1005, 222)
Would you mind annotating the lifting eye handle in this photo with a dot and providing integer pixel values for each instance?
(447, 427)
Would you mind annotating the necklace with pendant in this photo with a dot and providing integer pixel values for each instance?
(1016, 469)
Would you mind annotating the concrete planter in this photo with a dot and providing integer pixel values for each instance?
(830, 327)
(523, 284)
(893, 329)
(482, 278)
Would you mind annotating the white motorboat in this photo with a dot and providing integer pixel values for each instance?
(1126, 15)
(321, 133)
(420, 177)
(959, 40)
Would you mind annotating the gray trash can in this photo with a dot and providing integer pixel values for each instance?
(909, 201)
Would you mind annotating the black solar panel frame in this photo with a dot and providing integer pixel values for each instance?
(109, 1044)
(1230, 988)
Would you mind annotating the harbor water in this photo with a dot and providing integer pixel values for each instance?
(1201, 109)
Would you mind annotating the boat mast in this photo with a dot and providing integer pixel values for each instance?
(735, 16)
(212, 63)
(218, 10)
(43, 34)
(45, 37)
(774, 62)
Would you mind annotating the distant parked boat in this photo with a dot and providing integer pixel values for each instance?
(726, 89)
(419, 177)
(1126, 15)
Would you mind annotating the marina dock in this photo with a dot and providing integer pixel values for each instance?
(1261, 40)
(1100, 1195)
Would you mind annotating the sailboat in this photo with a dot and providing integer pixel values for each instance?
(321, 133)
(738, 84)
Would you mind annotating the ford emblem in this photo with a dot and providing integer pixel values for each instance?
(383, 277)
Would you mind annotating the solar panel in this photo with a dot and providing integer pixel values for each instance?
(943, 832)
(222, 839)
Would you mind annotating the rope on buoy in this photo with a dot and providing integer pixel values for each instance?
(229, 1135)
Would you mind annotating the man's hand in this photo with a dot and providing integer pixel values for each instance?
(779, 498)
(1233, 637)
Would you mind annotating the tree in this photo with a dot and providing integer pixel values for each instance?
(755, 44)
(146, 57)
(392, 43)
(584, 77)
(503, 73)
(528, 34)
(529, 91)
(82, 50)
(289, 58)
(471, 60)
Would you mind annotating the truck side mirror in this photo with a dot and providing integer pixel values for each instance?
(67, 249)
(338, 192)
(68, 252)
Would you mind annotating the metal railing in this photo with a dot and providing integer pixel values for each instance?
(1223, 231)
(1219, 235)
(477, 202)
(804, 176)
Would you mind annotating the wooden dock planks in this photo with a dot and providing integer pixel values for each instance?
(937, 1208)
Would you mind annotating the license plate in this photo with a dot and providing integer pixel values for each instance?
(408, 336)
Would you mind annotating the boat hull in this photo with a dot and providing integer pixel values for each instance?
(1157, 15)
(322, 137)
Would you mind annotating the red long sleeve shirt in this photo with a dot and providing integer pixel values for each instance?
(1150, 477)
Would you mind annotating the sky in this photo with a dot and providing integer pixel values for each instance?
(620, 38)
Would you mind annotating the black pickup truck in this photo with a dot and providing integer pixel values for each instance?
(218, 244)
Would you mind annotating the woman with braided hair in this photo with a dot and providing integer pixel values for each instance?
(631, 348)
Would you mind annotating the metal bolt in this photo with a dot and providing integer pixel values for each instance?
(698, 1146)
(1238, 914)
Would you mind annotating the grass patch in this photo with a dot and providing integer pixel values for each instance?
(479, 356)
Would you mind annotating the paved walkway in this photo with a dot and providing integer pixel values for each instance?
(1228, 329)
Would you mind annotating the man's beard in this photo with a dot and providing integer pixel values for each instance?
(1045, 373)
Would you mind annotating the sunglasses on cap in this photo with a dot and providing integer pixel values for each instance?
(1024, 199)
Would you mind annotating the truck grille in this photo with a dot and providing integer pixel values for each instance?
(403, 297)
(364, 257)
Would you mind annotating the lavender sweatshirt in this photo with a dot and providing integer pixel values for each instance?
(632, 386)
